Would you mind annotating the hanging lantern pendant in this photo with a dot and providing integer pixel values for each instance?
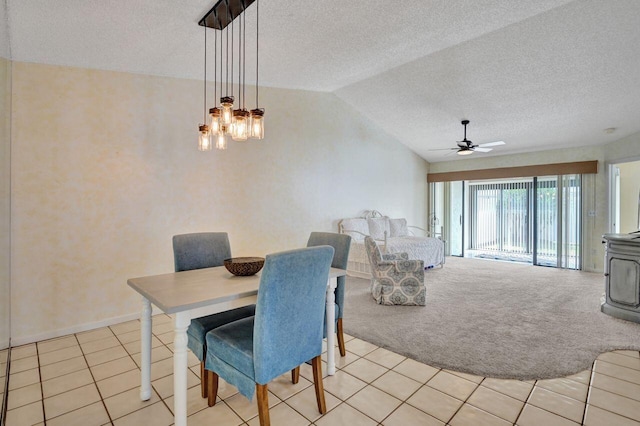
(214, 123)
(257, 123)
(227, 110)
(204, 141)
(223, 120)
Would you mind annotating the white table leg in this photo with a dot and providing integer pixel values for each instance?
(180, 368)
(331, 326)
(145, 350)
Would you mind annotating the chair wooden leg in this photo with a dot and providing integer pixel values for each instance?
(316, 365)
(295, 375)
(340, 334)
(263, 404)
(212, 387)
(203, 379)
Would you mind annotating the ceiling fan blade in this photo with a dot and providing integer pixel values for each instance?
(466, 147)
(443, 149)
(496, 143)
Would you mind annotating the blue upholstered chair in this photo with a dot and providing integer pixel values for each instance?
(197, 251)
(341, 243)
(285, 332)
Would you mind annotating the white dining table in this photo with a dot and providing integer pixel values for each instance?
(199, 292)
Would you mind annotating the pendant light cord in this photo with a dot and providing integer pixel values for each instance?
(232, 49)
(239, 63)
(205, 77)
(244, 56)
(257, 46)
(221, 61)
(215, 67)
(226, 92)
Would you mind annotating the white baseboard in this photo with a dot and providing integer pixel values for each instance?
(19, 341)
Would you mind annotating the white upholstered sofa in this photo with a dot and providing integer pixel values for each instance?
(393, 236)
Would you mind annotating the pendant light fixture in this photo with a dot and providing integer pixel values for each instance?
(240, 125)
(227, 101)
(257, 114)
(224, 120)
(215, 112)
(204, 140)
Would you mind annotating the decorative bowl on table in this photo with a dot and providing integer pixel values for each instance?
(244, 266)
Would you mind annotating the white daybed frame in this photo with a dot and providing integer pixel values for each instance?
(429, 248)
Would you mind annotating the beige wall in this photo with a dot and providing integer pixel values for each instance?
(620, 152)
(629, 190)
(623, 149)
(106, 170)
(5, 201)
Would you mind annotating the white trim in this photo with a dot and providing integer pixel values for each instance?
(616, 203)
(19, 341)
(612, 196)
(610, 187)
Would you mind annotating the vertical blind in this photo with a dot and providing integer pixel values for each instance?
(500, 216)
(571, 251)
(507, 220)
(559, 221)
(547, 223)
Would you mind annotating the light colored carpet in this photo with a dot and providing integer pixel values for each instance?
(496, 319)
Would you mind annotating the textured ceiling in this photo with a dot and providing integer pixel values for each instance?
(537, 74)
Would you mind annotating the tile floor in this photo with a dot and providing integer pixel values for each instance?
(93, 378)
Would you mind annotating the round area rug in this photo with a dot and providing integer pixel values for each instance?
(495, 319)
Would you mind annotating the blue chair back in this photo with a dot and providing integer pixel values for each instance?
(290, 310)
(200, 250)
(341, 243)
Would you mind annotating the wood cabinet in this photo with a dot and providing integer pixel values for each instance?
(622, 276)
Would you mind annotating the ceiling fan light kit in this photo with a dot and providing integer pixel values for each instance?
(466, 147)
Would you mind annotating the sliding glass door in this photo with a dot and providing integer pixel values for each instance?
(447, 206)
(558, 207)
(500, 219)
(533, 220)
(456, 218)
(537, 220)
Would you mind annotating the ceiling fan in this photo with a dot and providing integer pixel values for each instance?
(466, 147)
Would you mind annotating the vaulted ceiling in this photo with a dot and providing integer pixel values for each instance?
(538, 75)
